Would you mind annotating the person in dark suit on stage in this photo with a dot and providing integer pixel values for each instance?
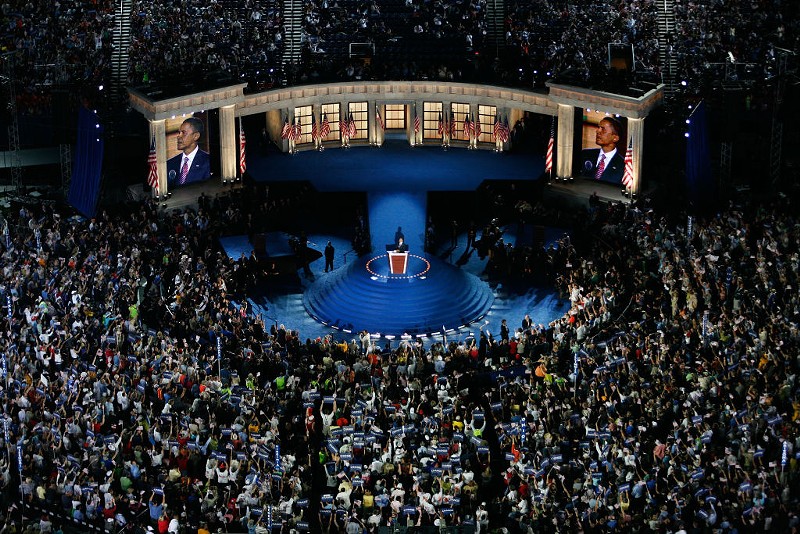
(401, 246)
(604, 163)
(330, 252)
(192, 164)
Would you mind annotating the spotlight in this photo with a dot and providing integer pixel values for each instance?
(688, 121)
(683, 83)
(100, 87)
(686, 135)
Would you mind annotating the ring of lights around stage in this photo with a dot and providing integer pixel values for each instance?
(423, 272)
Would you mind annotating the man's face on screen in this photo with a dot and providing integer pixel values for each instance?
(606, 136)
(187, 138)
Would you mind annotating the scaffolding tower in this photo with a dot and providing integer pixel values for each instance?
(776, 130)
(13, 123)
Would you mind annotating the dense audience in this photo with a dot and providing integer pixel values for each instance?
(408, 40)
(71, 41)
(141, 392)
(55, 43)
(558, 37)
(182, 41)
(712, 35)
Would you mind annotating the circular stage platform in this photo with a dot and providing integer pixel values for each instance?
(364, 295)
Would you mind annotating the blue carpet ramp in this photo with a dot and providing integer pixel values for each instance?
(364, 296)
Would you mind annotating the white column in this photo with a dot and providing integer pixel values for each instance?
(227, 142)
(420, 107)
(316, 110)
(636, 137)
(378, 138)
(158, 130)
(564, 141)
(446, 117)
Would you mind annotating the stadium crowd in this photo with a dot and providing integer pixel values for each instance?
(739, 40)
(172, 42)
(556, 37)
(140, 392)
(411, 39)
(55, 43)
(71, 41)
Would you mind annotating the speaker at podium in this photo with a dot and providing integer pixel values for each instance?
(398, 257)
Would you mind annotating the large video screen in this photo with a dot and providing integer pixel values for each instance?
(602, 155)
(188, 159)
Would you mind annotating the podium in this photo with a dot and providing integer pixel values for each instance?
(398, 262)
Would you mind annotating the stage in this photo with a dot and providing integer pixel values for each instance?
(448, 290)
(431, 297)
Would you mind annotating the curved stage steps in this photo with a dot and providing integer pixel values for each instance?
(363, 295)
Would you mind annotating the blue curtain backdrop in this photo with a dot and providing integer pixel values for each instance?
(700, 185)
(388, 210)
(87, 163)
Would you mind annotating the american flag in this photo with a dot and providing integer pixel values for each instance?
(287, 129)
(453, 127)
(242, 144)
(297, 131)
(505, 132)
(627, 175)
(548, 158)
(352, 130)
(344, 129)
(325, 129)
(477, 123)
(441, 125)
(380, 119)
(467, 127)
(314, 130)
(497, 126)
(416, 123)
(152, 161)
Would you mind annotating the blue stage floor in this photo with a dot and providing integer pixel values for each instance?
(283, 303)
(454, 295)
(396, 167)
